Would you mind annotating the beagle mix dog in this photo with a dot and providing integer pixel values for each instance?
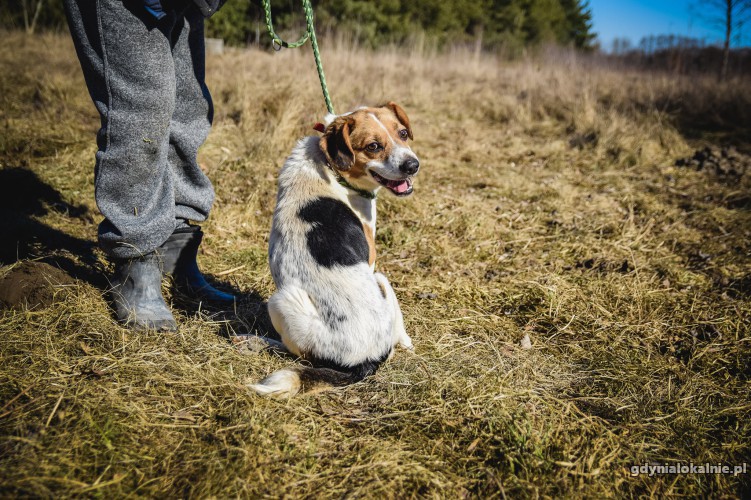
(330, 307)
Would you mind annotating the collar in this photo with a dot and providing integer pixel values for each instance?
(370, 195)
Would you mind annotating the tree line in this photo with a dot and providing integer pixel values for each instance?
(683, 55)
(513, 24)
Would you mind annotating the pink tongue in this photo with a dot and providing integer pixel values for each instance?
(399, 187)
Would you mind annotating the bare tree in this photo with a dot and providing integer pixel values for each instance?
(728, 16)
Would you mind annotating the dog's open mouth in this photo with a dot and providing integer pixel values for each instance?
(402, 187)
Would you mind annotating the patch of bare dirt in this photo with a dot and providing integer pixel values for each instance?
(31, 284)
(724, 162)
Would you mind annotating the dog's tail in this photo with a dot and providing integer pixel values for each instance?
(289, 381)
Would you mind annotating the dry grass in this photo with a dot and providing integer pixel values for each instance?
(632, 278)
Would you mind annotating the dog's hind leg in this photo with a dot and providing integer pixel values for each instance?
(296, 319)
(298, 322)
(397, 326)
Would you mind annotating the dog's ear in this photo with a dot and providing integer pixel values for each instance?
(401, 116)
(336, 145)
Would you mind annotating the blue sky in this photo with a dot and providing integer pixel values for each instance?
(634, 19)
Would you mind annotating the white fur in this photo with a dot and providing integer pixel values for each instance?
(368, 324)
(279, 384)
(330, 117)
(399, 333)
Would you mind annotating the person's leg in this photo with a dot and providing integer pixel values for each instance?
(129, 69)
(189, 126)
(126, 57)
(191, 120)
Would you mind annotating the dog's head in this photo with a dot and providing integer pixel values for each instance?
(368, 147)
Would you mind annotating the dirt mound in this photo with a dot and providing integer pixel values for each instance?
(725, 162)
(31, 284)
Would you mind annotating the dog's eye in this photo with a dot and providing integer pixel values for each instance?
(373, 147)
(403, 134)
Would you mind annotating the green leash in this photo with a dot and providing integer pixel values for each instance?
(277, 42)
(310, 33)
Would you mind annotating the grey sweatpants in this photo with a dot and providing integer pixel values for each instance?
(146, 78)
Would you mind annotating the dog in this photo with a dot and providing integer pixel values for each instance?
(331, 308)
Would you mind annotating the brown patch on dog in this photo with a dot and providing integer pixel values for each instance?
(366, 130)
(401, 116)
(336, 145)
(355, 172)
(369, 236)
(383, 289)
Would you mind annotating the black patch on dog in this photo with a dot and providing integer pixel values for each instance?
(337, 236)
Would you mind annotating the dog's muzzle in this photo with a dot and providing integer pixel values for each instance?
(410, 166)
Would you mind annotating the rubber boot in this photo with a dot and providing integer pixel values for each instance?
(179, 258)
(137, 295)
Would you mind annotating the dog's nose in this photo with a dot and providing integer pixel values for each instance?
(410, 166)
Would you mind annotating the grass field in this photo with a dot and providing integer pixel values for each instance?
(549, 207)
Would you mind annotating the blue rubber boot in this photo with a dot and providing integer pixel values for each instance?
(137, 295)
(179, 259)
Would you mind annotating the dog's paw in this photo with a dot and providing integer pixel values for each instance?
(406, 342)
